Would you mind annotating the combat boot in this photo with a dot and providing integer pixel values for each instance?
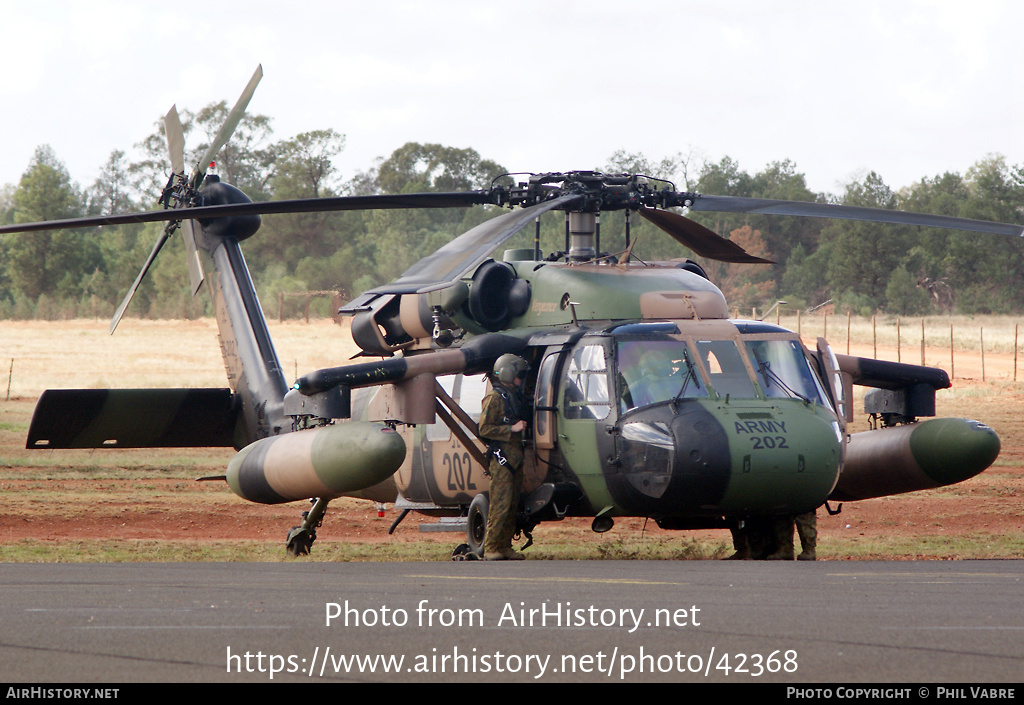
(740, 545)
(511, 554)
(781, 555)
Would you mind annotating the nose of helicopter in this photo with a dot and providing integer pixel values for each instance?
(733, 460)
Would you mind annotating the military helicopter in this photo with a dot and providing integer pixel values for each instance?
(647, 399)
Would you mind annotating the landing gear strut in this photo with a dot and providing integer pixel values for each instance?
(300, 538)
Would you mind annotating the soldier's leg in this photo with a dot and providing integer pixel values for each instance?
(782, 531)
(807, 529)
(761, 538)
(501, 510)
(740, 545)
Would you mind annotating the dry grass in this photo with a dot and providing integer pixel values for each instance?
(81, 354)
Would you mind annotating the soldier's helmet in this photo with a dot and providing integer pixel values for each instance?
(508, 367)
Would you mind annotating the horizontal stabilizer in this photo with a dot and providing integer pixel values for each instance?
(883, 374)
(133, 418)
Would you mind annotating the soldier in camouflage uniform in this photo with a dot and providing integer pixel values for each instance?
(501, 424)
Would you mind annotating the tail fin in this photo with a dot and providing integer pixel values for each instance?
(254, 372)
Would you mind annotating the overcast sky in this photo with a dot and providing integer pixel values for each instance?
(908, 89)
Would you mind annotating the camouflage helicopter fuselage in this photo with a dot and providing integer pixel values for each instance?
(691, 457)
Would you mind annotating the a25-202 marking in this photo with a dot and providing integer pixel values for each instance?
(460, 469)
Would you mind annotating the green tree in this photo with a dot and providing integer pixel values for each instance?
(973, 273)
(112, 191)
(862, 255)
(53, 261)
(903, 296)
(304, 167)
(399, 238)
(803, 282)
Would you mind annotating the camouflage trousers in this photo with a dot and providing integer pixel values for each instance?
(806, 529)
(506, 486)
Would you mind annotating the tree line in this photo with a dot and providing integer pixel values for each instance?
(860, 267)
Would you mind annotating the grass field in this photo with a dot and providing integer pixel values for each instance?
(144, 505)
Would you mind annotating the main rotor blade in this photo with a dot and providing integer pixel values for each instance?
(138, 280)
(769, 206)
(466, 252)
(455, 199)
(701, 240)
(234, 117)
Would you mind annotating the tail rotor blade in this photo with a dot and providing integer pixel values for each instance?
(176, 148)
(138, 280)
(175, 140)
(195, 265)
(234, 117)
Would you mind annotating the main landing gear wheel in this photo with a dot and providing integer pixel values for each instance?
(300, 538)
(300, 541)
(476, 525)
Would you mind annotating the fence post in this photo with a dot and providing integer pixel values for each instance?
(981, 342)
(1016, 326)
(847, 332)
(899, 354)
(922, 342)
(952, 367)
(874, 335)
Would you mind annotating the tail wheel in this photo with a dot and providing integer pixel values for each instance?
(476, 525)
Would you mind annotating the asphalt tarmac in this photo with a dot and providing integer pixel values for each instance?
(532, 621)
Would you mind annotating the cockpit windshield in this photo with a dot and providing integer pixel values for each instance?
(783, 371)
(654, 371)
(729, 376)
(657, 370)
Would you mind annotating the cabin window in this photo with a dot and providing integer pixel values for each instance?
(471, 395)
(586, 384)
(544, 417)
(439, 431)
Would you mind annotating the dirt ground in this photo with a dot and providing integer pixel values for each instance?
(152, 495)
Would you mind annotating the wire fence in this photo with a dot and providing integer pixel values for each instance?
(985, 347)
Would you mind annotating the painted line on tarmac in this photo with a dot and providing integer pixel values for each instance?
(612, 581)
